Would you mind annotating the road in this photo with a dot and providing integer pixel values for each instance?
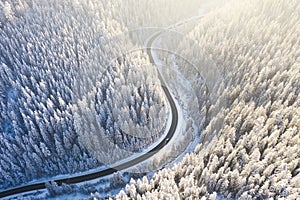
(102, 173)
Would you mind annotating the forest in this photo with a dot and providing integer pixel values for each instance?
(78, 92)
(67, 103)
(248, 53)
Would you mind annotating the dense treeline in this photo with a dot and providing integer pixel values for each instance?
(64, 96)
(250, 148)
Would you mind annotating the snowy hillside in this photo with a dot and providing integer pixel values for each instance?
(67, 104)
(248, 51)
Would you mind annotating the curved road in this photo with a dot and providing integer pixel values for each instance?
(102, 173)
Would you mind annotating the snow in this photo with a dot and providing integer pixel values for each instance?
(168, 125)
(73, 196)
(167, 148)
(40, 193)
(11, 94)
(43, 194)
(182, 112)
(179, 133)
(181, 126)
(63, 176)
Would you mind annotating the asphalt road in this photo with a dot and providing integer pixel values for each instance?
(102, 173)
